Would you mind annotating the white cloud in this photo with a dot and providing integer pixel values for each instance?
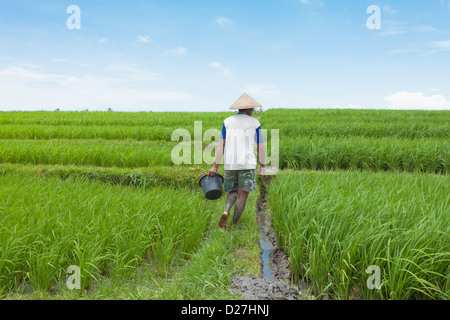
(103, 40)
(388, 9)
(66, 62)
(144, 39)
(426, 28)
(424, 48)
(397, 51)
(417, 101)
(440, 45)
(434, 47)
(216, 65)
(131, 72)
(179, 51)
(223, 22)
(263, 90)
(445, 3)
(318, 2)
(224, 72)
(392, 27)
(31, 89)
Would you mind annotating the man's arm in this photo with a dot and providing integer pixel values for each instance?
(219, 154)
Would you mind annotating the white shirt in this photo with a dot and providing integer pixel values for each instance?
(241, 132)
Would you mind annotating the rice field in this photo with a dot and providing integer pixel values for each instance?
(335, 225)
(100, 190)
(315, 140)
(48, 224)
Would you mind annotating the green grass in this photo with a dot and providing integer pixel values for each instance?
(85, 152)
(334, 225)
(159, 126)
(100, 190)
(49, 224)
(103, 125)
(413, 141)
(358, 123)
(221, 255)
(146, 177)
(318, 153)
(359, 153)
(84, 118)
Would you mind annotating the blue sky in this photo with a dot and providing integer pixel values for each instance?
(201, 55)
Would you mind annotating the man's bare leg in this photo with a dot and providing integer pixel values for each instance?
(231, 200)
(240, 205)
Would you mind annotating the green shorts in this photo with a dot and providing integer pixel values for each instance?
(240, 180)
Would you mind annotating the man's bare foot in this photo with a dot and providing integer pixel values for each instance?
(223, 223)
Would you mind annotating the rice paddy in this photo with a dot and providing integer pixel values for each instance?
(397, 222)
(99, 190)
(48, 224)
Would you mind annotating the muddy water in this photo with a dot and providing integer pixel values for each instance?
(275, 283)
(267, 249)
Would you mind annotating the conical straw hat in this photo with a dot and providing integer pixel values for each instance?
(245, 102)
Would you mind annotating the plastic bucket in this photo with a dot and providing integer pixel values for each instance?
(212, 186)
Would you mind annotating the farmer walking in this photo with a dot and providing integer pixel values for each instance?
(240, 132)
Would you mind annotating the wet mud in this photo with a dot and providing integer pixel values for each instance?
(275, 282)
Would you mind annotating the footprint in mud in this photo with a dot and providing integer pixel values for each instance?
(252, 288)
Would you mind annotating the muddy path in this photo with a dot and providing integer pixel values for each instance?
(274, 262)
(275, 282)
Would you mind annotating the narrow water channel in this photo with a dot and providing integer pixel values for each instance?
(266, 246)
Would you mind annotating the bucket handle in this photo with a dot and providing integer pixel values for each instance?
(201, 174)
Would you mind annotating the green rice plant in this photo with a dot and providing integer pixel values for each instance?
(109, 132)
(83, 118)
(72, 152)
(357, 153)
(357, 123)
(377, 140)
(147, 177)
(49, 224)
(103, 125)
(334, 225)
(99, 153)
